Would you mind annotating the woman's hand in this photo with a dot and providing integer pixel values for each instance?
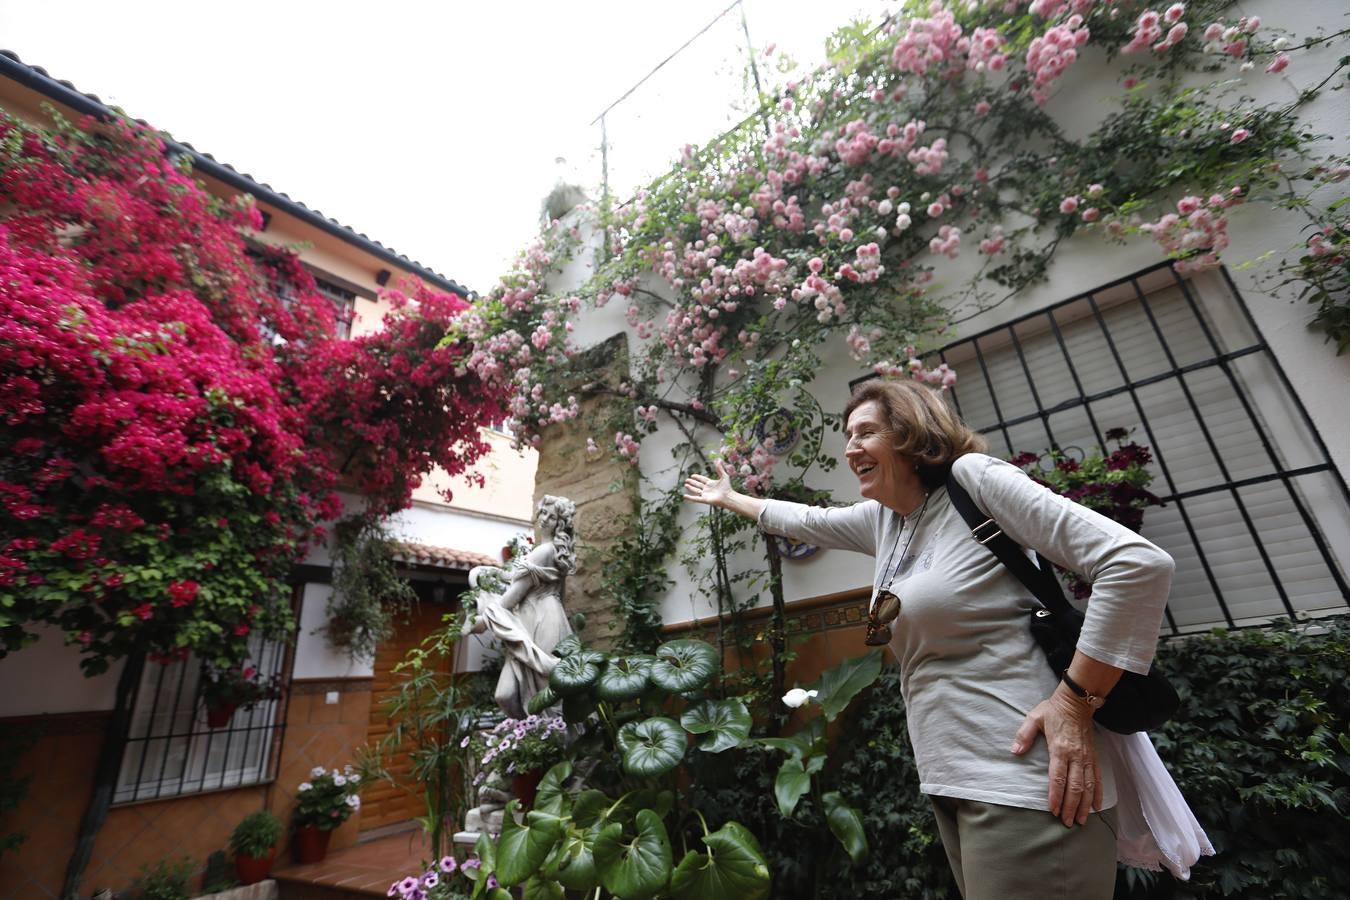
(1075, 780)
(702, 489)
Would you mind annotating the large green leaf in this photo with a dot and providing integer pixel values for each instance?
(589, 806)
(623, 679)
(567, 646)
(847, 825)
(652, 747)
(550, 797)
(522, 849)
(685, 665)
(485, 848)
(542, 700)
(538, 888)
(841, 684)
(809, 741)
(792, 782)
(576, 863)
(734, 868)
(637, 867)
(726, 721)
(574, 674)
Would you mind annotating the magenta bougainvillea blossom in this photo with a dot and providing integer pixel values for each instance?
(174, 423)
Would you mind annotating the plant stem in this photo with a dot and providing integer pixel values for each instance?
(105, 774)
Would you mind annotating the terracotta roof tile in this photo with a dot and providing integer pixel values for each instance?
(441, 557)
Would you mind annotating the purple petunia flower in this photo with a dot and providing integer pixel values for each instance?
(492, 881)
(393, 889)
(407, 885)
(472, 862)
(430, 879)
(448, 864)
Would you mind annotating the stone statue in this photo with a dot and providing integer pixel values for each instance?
(528, 617)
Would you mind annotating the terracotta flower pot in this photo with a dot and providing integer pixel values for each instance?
(311, 844)
(525, 786)
(253, 869)
(219, 716)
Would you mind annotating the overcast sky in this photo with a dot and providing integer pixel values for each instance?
(432, 127)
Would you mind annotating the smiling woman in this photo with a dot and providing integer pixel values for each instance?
(977, 690)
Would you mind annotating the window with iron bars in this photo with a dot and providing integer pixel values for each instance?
(172, 749)
(1256, 515)
(344, 306)
(342, 299)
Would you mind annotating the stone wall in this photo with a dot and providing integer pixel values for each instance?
(603, 489)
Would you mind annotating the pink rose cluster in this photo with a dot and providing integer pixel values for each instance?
(1050, 54)
(1197, 231)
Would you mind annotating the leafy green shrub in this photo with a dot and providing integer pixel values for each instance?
(877, 775)
(164, 880)
(1261, 749)
(641, 717)
(256, 834)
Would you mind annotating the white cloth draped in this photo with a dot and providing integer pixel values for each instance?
(1157, 829)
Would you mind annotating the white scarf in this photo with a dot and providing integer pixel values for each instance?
(1156, 828)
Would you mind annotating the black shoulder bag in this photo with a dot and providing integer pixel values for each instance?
(1137, 702)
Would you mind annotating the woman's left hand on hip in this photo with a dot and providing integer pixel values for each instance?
(1075, 779)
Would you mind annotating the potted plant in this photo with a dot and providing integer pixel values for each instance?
(227, 689)
(254, 843)
(522, 750)
(322, 804)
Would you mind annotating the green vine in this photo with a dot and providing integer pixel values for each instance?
(368, 593)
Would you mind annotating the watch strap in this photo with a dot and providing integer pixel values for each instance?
(1082, 693)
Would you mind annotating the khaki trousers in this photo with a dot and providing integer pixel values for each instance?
(1006, 853)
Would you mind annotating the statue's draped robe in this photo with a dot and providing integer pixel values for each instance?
(528, 633)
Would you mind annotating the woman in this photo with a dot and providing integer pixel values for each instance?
(1018, 816)
(528, 616)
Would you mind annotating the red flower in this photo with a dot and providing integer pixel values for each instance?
(144, 611)
(182, 592)
(241, 629)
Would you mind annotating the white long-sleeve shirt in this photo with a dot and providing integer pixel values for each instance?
(970, 670)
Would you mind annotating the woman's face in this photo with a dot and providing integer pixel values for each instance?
(883, 474)
(547, 519)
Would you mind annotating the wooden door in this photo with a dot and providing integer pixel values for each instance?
(382, 803)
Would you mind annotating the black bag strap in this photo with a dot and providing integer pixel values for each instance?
(1041, 581)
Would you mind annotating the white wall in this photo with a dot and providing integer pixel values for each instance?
(45, 678)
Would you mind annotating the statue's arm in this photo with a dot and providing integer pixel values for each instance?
(542, 556)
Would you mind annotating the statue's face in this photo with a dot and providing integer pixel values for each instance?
(548, 519)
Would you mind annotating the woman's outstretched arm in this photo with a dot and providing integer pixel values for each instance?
(719, 493)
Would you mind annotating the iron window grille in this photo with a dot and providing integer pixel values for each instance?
(344, 306)
(1256, 515)
(171, 751)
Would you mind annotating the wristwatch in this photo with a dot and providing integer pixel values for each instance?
(1092, 700)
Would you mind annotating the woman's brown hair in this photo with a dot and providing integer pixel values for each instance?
(926, 430)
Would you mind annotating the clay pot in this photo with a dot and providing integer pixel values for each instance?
(311, 844)
(525, 786)
(253, 869)
(219, 716)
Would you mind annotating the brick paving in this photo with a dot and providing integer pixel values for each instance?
(365, 870)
